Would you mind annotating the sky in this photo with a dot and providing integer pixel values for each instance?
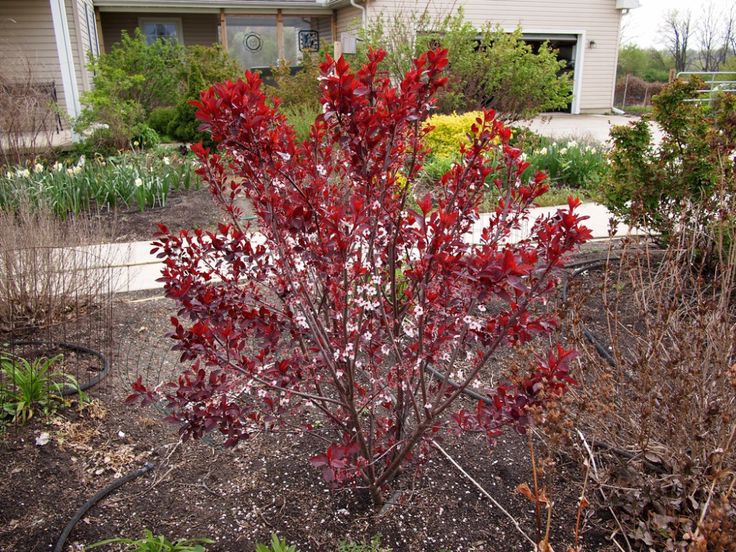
(642, 25)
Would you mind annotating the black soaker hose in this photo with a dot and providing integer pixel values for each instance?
(69, 389)
(95, 499)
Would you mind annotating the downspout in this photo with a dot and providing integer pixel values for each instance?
(362, 9)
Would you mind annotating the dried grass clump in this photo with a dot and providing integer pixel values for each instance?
(50, 269)
(661, 423)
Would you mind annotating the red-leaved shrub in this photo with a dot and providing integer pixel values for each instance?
(345, 299)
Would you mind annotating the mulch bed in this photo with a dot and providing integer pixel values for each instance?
(240, 496)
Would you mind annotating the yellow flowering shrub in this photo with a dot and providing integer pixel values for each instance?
(449, 132)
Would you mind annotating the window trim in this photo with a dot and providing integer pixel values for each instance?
(163, 20)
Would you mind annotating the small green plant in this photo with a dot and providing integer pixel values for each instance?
(277, 545)
(156, 543)
(373, 546)
(30, 386)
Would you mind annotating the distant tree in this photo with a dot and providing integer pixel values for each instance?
(648, 64)
(676, 31)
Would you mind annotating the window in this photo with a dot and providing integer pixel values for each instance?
(253, 40)
(165, 29)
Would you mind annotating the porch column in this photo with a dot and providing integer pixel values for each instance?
(223, 29)
(66, 57)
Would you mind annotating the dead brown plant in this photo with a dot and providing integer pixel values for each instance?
(661, 420)
(51, 270)
(29, 116)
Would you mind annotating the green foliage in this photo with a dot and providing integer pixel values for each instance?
(373, 546)
(144, 137)
(497, 70)
(297, 89)
(136, 80)
(155, 543)
(654, 186)
(301, 118)
(277, 545)
(205, 65)
(30, 386)
(569, 164)
(129, 82)
(648, 64)
(133, 179)
(160, 118)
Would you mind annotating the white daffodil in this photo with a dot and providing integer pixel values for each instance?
(543, 151)
(37, 168)
(563, 151)
(167, 161)
(25, 173)
(70, 171)
(77, 169)
(58, 167)
(138, 182)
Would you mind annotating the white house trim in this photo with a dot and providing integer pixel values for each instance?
(66, 57)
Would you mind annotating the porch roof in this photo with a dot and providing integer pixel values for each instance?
(189, 5)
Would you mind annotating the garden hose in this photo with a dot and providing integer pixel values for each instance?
(95, 499)
(70, 389)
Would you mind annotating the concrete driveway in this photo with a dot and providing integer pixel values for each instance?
(582, 127)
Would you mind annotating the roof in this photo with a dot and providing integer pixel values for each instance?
(189, 4)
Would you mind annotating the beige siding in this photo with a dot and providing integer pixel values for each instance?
(27, 40)
(348, 19)
(598, 19)
(197, 28)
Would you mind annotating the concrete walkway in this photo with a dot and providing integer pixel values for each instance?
(135, 269)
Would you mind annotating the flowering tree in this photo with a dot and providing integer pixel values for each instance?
(347, 300)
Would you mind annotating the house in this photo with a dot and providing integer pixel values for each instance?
(54, 37)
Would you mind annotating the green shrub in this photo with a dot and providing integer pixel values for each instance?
(139, 84)
(492, 68)
(160, 118)
(129, 82)
(299, 88)
(301, 118)
(144, 137)
(204, 66)
(688, 174)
